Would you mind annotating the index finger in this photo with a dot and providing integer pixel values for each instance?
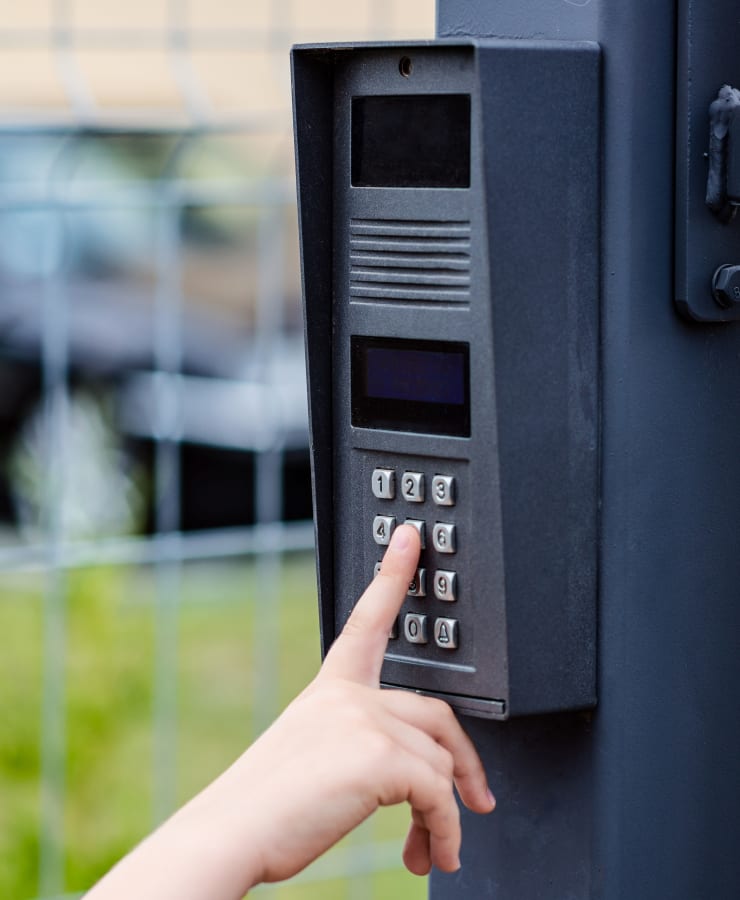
(357, 654)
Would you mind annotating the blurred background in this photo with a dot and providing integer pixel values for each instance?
(157, 591)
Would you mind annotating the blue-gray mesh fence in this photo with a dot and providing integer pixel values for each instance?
(149, 343)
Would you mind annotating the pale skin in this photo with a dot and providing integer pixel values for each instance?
(339, 751)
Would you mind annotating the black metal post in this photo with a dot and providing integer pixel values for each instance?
(639, 799)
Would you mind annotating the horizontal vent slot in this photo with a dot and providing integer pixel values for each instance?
(394, 259)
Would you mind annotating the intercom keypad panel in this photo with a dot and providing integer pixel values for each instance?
(449, 209)
(435, 623)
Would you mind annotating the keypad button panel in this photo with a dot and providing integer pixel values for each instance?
(432, 498)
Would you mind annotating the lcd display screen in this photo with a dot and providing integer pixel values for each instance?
(411, 140)
(404, 385)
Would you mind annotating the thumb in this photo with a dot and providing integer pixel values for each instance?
(357, 654)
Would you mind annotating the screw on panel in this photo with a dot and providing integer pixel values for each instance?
(726, 286)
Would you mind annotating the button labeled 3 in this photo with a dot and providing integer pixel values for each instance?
(443, 490)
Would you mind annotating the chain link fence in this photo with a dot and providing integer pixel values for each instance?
(156, 584)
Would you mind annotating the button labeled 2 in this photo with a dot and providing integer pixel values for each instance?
(412, 487)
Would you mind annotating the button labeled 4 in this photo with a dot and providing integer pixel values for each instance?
(383, 528)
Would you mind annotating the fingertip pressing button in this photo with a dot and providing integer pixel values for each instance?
(420, 527)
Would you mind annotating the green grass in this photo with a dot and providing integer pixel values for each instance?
(223, 627)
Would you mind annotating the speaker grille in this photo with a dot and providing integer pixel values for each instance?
(393, 259)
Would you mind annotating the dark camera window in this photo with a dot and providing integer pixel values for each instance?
(412, 140)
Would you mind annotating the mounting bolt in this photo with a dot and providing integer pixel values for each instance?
(726, 286)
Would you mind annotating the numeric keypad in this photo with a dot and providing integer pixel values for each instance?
(429, 492)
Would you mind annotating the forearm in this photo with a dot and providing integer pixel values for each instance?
(202, 853)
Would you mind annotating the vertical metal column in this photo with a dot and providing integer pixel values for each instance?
(639, 800)
(55, 353)
(168, 361)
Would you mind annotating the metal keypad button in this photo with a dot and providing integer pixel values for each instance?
(418, 587)
(384, 484)
(420, 526)
(393, 633)
(383, 528)
(376, 570)
(445, 585)
(446, 633)
(444, 537)
(412, 487)
(415, 628)
(443, 490)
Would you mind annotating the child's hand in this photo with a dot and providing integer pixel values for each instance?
(339, 751)
(344, 747)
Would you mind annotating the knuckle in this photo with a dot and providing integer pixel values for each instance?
(447, 763)
(379, 746)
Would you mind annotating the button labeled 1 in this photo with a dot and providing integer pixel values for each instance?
(384, 484)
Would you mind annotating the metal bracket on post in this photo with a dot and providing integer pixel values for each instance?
(707, 166)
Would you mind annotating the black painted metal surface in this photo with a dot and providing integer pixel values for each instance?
(639, 800)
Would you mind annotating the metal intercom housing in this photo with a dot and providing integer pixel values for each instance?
(449, 223)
